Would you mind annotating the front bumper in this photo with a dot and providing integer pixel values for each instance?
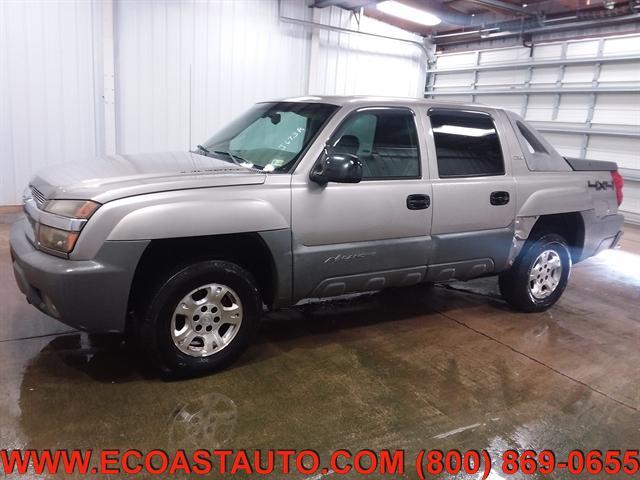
(90, 295)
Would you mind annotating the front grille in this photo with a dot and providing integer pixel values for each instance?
(38, 196)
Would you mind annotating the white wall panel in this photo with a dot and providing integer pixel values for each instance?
(583, 48)
(631, 202)
(538, 108)
(578, 76)
(501, 78)
(573, 108)
(548, 51)
(182, 69)
(624, 151)
(509, 102)
(544, 76)
(347, 64)
(621, 46)
(622, 110)
(618, 73)
(501, 55)
(567, 145)
(185, 68)
(47, 111)
(458, 80)
(464, 59)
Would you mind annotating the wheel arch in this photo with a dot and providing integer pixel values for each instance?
(163, 257)
(569, 225)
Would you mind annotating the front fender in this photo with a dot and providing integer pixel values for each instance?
(198, 218)
(183, 214)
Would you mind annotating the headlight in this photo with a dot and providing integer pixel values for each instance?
(72, 208)
(56, 239)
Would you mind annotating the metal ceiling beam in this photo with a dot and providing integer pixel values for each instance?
(347, 4)
(325, 3)
(322, 26)
(504, 6)
(474, 36)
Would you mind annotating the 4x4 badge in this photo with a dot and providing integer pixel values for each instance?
(598, 185)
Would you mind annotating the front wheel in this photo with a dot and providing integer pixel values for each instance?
(539, 275)
(201, 318)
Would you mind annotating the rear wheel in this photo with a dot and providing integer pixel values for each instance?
(539, 275)
(201, 318)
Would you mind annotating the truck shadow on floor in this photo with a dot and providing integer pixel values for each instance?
(108, 358)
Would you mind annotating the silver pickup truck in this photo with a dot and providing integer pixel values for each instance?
(304, 198)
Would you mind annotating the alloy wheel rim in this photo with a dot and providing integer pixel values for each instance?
(206, 320)
(545, 274)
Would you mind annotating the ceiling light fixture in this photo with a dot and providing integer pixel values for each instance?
(405, 12)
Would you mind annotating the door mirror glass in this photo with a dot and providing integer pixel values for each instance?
(337, 167)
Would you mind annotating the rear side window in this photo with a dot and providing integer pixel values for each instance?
(467, 144)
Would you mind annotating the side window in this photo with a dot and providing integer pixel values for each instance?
(467, 144)
(385, 140)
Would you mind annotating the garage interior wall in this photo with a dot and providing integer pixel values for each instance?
(602, 123)
(88, 78)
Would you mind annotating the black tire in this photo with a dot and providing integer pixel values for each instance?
(155, 328)
(515, 282)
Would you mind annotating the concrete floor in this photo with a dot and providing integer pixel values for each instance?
(454, 368)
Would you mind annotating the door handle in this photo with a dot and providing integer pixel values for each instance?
(418, 201)
(499, 198)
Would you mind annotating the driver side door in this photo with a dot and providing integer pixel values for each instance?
(350, 237)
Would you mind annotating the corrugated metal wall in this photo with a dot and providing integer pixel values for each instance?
(599, 111)
(182, 69)
(185, 66)
(235, 53)
(47, 108)
(346, 64)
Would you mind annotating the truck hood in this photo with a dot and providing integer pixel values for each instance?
(109, 178)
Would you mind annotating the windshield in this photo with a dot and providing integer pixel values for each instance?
(270, 136)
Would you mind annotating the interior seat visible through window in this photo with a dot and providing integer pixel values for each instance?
(385, 141)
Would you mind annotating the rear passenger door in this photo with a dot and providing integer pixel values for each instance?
(473, 193)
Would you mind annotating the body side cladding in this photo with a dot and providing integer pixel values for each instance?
(279, 244)
(455, 250)
(357, 264)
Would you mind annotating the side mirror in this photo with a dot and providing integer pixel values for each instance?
(337, 167)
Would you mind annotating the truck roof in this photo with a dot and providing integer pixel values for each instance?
(341, 100)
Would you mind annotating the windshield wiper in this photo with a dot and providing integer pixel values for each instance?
(237, 160)
(234, 158)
